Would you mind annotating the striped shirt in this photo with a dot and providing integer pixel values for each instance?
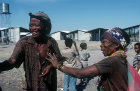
(136, 59)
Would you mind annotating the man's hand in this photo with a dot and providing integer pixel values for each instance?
(52, 58)
(46, 70)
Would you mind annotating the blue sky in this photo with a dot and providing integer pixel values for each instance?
(77, 14)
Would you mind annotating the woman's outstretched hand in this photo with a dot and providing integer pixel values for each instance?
(52, 58)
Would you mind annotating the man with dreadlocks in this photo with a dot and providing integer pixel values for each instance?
(112, 70)
(32, 51)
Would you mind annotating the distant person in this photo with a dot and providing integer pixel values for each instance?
(32, 51)
(84, 56)
(136, 62)
(113, 69)
(70, 56)
(7, 40)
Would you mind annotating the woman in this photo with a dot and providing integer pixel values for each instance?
(112, 70)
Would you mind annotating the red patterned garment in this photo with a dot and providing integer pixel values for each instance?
(133, 79)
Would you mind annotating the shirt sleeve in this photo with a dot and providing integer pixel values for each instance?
(55, 49)
(17, 56)
(138, 57)
(104, 66)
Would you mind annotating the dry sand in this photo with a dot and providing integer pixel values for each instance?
(13, 80)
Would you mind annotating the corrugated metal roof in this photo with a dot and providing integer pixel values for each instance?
(3, 29)
(97, 29)
(132, 27)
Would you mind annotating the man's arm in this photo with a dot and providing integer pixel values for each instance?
(53, 49)
(56, 51)
(6, 65)
(15, 59)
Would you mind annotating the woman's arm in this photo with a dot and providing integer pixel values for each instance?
(90, 71)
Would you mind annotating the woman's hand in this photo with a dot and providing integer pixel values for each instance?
(52, 58)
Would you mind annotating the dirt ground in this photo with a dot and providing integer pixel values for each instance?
(13, 80)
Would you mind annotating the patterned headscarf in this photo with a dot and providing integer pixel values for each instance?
(117, 36)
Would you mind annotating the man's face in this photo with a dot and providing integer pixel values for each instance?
(107, 47)
(136, 48)
(35, 27)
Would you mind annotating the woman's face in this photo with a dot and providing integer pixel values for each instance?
(35, 27)
(108, 47)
